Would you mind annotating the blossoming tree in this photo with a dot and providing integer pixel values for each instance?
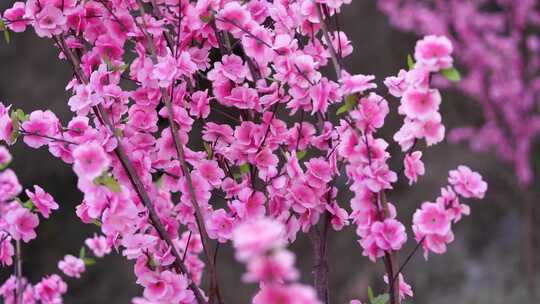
(199, 123)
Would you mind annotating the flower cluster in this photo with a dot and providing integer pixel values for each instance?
(211, 121)
(499, 44)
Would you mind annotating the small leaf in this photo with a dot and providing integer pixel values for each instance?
(89, 261)
(244, 168)
(108, 181)
(208, 149)
(410, 62)
(7, 36)
(28, 205)
(301, 154)
(381, 299)
(206, 18)
(82, 253)
(349, 104)
(4, 165)
(451, 74)
(96, 222)
(370, 294)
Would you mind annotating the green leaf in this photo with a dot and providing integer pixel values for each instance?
(7, 36)
(108, 181)
(349, 104)
(4, 165)
(82, 253)
(28, 204)
(96, 222)
(381, 299)
(208, 149)
(89, 261)
(301, 154)
(451, 74)
(3, 27)
(370, 294)
(206, 18)
(410, 62)
(244, 168)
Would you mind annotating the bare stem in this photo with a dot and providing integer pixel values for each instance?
(18, 273)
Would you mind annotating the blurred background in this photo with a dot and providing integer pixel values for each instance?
(482, 265)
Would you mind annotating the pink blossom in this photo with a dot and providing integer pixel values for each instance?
(413, 166)
(6, 250)
(370, 113)
(404, 288)
(90, 160)
(165, 71)
(352, 84)
(9, 185)
(49, 21)
(254, 237)
(377, 176)
(293, 294)
(420, 104)
(467, 183)
(5, 156)
(15, 16)
(220, 226)
(434, 53)
(276, 267)
(99, 245)
(389, 234)
(21, 223)
(168, 287)
(432, 218)
(71, 266)
(41, 123)
(50, 289)
(43, 201)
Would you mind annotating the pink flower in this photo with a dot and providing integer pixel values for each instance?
(200, 105)
(420, 104)
(389, 235)
(254, 237)
(99, 245)
(434, 53)
(276, 267)
(165, 71)
(413, 166)
(49, 21)
(370, 113)
(286, 294)
(15, 16)
(220, 226)
(21, 223)
(90, 160)
(168, 287)
(9, 185)
(5, 156)
(40, 123)
(50, 289)
(72, 266)
(467, 183)
(396, 84)
(377, 176)
(404, 288)
(352, 84)
(432, 218)
(6, 250)
(43, 201)
(210, 171)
